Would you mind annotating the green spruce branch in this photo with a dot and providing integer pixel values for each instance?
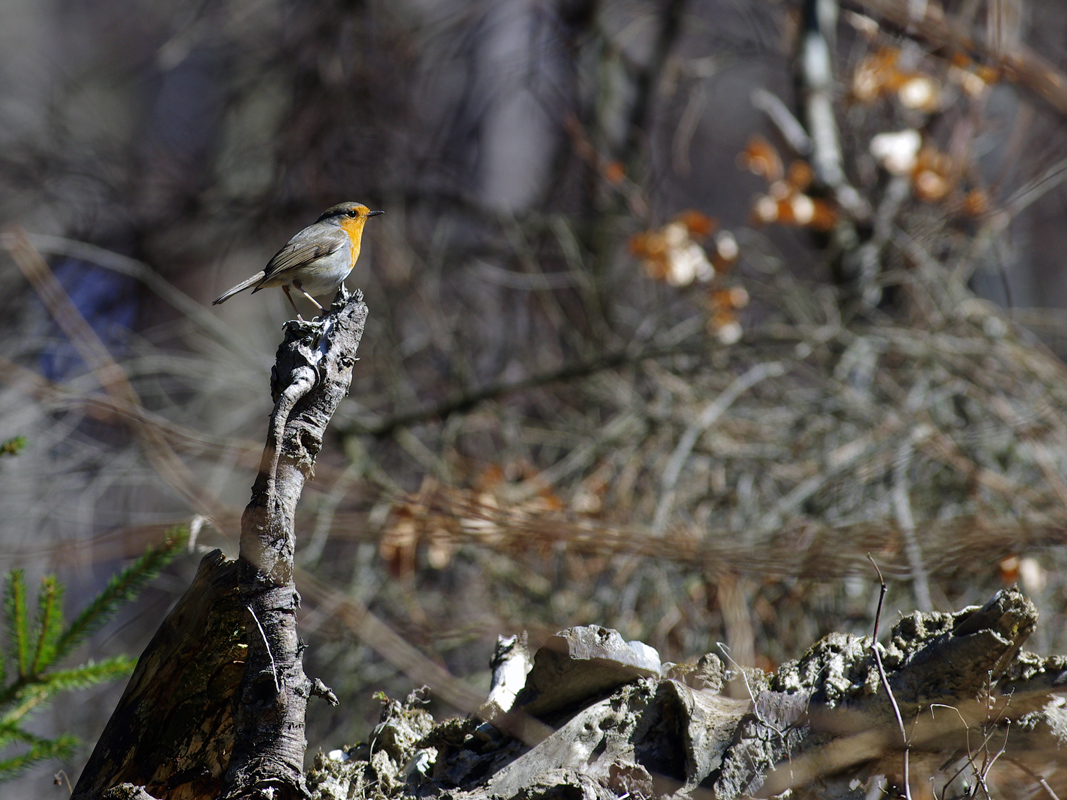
(121, 589)
(36, 643)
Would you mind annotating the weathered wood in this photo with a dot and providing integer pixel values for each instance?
(172, 731)
(216, 705)
(311, 375)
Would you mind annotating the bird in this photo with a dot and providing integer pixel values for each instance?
(315, 261)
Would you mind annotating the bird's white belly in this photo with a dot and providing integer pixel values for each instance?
(325, 274)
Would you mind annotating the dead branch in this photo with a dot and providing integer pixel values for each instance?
(216, 705)
(933, 26)
(311, 376)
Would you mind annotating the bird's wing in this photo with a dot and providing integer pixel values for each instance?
(303, 249)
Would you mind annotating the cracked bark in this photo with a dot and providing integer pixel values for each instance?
(216, 705)
(311, 376)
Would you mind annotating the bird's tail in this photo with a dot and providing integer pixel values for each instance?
(239, 288)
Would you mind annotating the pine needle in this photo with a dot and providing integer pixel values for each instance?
(122, 588)
(16, 619)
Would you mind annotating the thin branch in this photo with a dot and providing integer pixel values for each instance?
(885, 680)
(906, 520)
(712, 411)
(818, 77)
(787, 124)
(266, 643)
(498, 389)
(108, 372)
(1041, 781)
(124, 265)
(1021, 65)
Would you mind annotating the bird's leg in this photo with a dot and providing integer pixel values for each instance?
(299, 288)
(289, 297)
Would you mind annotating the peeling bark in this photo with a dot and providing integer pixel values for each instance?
(216, 705)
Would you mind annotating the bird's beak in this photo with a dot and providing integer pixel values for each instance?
(374, 213)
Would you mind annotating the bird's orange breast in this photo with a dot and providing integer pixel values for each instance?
(354, 229)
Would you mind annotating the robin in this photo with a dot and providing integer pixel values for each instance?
(315, 261)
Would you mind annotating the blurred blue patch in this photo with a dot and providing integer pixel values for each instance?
(108, 301)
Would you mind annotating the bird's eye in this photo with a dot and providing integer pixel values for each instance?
(352, 212)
